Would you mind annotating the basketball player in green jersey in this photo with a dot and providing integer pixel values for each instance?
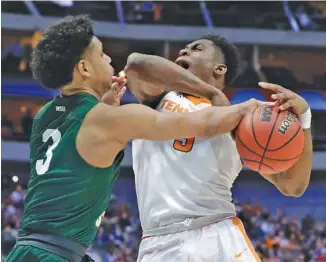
(78, 139)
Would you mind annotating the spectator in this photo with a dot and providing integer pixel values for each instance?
(8, 236)
(304, 19)
(6, 125)
(307, 223)
(267, 226)
(281, 240)
(27, 122)
(112, 254)
(18, 196)
(157, 8)
(124, 221)
(10, 210)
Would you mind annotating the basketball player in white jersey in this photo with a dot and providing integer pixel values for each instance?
(184, 186)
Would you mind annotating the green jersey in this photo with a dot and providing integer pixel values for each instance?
(66, 195)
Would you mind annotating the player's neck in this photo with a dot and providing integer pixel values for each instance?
(218, 83)
(71, 89)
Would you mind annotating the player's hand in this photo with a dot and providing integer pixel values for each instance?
(286, 99)
(117, 90)
(252, 104)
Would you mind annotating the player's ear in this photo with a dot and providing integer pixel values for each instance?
(83, 68)
(219, 70)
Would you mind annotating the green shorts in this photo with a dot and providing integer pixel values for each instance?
(32, 254)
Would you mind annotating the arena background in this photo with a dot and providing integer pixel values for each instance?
(281, 42)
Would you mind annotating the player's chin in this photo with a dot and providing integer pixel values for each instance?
(108, 82)
(106, 86)
(189, 69)
(193, 71)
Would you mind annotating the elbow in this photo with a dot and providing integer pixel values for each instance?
(299, 191)
(296, 191)
(293, 183)
(134, 62)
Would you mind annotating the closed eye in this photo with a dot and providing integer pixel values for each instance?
(197, 48)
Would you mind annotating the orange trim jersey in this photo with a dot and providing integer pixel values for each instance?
(180, 180)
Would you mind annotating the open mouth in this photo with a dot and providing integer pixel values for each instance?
(182, 63)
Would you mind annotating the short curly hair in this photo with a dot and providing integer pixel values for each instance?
(60, 48)
(230, 54)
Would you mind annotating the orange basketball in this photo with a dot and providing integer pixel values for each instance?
(268, 140)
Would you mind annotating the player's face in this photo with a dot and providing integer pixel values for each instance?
(199, 57)
(100, 69)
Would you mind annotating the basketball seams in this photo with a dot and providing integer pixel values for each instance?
(262, 158)
(268, 158)
(269, 139)
(253, 130)
(256, 161)
(296, 133)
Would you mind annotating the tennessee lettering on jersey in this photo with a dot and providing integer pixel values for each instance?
(168, 105)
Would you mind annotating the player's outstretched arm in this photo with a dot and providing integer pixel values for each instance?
(136, 121)
(150, 76)
(295, 180)
(106, 129)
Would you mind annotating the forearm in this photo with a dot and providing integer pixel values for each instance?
(295, 180)
(145, 123)
(216, 121)
(167, 76)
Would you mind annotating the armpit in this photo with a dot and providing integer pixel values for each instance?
(153, 101)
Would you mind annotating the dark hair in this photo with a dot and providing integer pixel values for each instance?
(230, 54)
(60, 48)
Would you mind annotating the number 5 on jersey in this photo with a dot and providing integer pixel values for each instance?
(42, 166)
(184, 145)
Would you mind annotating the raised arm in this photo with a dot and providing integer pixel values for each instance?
(151, 76)
(294, 181)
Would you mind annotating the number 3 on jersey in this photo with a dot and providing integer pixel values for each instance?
(184, 145)
(42, 166)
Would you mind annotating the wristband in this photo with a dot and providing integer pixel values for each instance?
(305, 119)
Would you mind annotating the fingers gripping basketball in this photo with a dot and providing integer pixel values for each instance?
(268, 140)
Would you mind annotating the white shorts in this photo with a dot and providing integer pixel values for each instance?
(219, 242)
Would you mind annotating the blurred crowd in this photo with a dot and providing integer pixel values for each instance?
(118, 236)
(276, 238)
(281, 238)
(258, 63)
(8, 128)
(117, 239)
(307, 15)
(18, 126)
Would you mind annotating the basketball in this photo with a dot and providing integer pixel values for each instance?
(268, 140)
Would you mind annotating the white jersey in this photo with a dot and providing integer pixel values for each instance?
(180, 181)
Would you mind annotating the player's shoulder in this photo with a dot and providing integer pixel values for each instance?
(198, 101)
(173, 95)
(181, 97)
